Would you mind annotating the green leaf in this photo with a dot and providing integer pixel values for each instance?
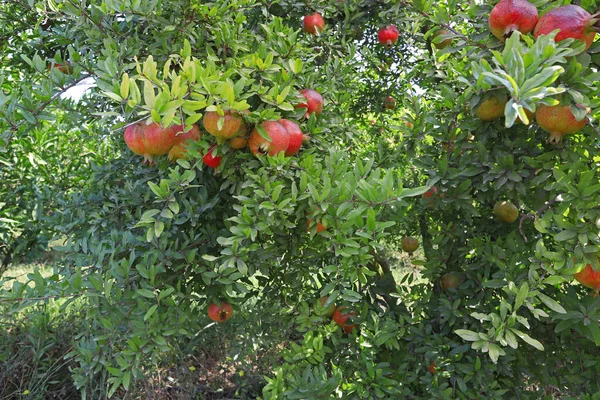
(521, 296)
(551, 303)
(150, 312)
(528, 339)
(467, 335)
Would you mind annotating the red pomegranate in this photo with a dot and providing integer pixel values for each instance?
(573, 22)
(181, 141)
(388, 35)
(431, 192)
(313, 23)
(280, 139)
(210, 160)
(341, 317)
(314, 102)
(150, 140)
(589, 278)
(558, 121)
(233, 124)
(296, 136)
(390, 103)
(512, 15)
(220, 312)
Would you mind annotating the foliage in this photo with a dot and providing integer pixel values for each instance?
(147, 248)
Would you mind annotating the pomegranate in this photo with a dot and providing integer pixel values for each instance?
(445, 42)
(506, 211)
(313, 23)
(296, 136)
(150, 140)
(558, 121)
(280, 139)
(233, 124)
(390, 103)
(491, 108)
(431, 192)
(321, 309)
(409, 244)
(341, 317)
(181, 141)
(388, 35)
(451, 280)
(238, 142)
(211, 161)
(221, 312)
(320, 226)
(314, 102)
(65, 68)
(589, 278)
(573, 22)
(512, 15)
(431, 368)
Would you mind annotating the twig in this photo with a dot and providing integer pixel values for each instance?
(538, 213)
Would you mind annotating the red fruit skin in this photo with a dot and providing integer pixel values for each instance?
(589, 278)
(558, 121)
(221, 312)
(295, 134)
(388, 35)
(573, 22)
(233, 124)
(390, 103)
(512, 15)
(431, 368)
(312, 23)
(340, 318)
(211, 161)
(150, 140)
(431, 192)
(280, 139)
(182, 139)
(314, 102)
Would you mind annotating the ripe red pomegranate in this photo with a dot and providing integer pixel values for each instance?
(280, 139)
(65, 68)
(491, 108)
(221, 312)
(296, 136)
(313, 23)
(321, 309)
(558, 121)
(150, 140)
(431, 192)
(431, 368)
(573, 22)
(211, 161)
(314, 102)
(320, 226)
(390, 103)
(589, 278)
(341, 317)
(444, 43)
(233, 124)
(409, 244)
(388, 35)
(182, 140)
(512, 15)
